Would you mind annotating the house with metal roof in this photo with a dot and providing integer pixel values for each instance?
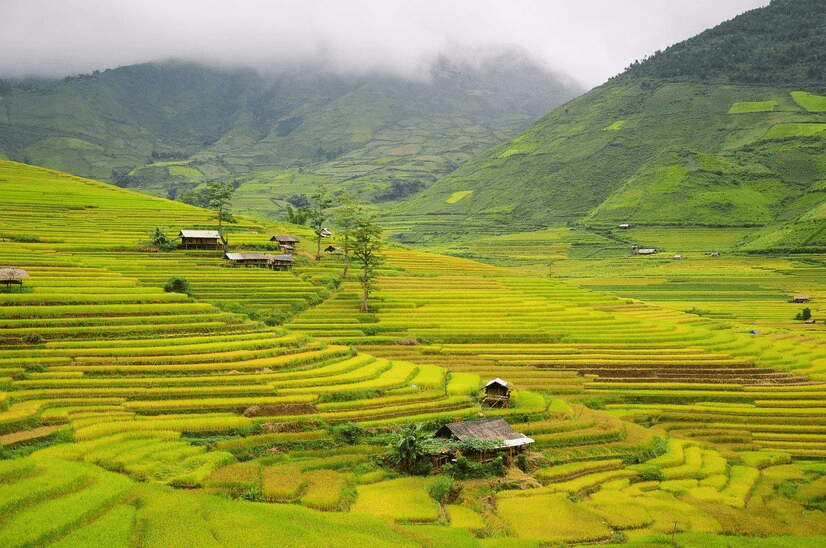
(200, 239)
(510, 441)
(262, 260)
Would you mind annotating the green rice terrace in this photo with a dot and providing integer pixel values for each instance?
(674, 402)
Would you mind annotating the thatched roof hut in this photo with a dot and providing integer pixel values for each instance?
(484, 429)
(12, 275)
(285, 239)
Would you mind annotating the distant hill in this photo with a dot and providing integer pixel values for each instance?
(665, 143)
(164, 128)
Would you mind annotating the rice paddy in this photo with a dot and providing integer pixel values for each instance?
(664, 397)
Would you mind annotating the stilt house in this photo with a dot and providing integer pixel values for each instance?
(286, 242)
(497, 394)
(261, 260)
(200, 239)
(511, 442)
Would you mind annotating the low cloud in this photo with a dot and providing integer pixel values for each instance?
(590, 40)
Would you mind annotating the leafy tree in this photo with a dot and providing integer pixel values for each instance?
(410, 449)
(218, 197)
(317, 212)
(366, 247)
(158, 238)
(296, 217)
(804, 315)
(178, 284)
(347, 215)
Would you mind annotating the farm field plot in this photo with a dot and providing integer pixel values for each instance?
(113, 391)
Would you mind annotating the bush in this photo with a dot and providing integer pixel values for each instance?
(349, 433)
(440, 489)
(159, 239)
(178, 284)
(804, 315)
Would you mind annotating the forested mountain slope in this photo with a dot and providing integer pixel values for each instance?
(164, 128)
(666, 143)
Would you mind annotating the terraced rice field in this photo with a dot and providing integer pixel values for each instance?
(649, 423)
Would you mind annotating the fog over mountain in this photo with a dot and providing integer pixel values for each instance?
(591, 41)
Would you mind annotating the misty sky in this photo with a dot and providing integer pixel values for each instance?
(591, 40)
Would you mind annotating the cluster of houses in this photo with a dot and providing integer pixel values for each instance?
(211, 239)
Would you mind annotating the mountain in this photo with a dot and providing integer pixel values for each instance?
(164, 128)
(720, 130)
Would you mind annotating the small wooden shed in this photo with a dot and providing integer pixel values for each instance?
(497, 394)
(334, 250)
(12, 275)
(200, 239)
(286, 242)
(645, 251)
(801, 299)
(512, 442)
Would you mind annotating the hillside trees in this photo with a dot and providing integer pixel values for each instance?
(218, 197)
(320, 202)
(346, 216)
(366, 247)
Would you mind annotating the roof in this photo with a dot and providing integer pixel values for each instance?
(199, 234)
(12, 273)
(257, 257)
(485, 429)
(497, 380)
(284, 239)
(325, 233)
(646, 251)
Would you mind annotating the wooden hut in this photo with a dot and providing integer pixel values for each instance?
(11, 275)
(261, 260)
(801, 299)
(334, 250)
(511, 441)
(286, 242)
(645, 251)
(497, 394)
(200, 239)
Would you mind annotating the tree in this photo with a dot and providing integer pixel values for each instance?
(178, 284)
(218, 197)
(366, 247)
(346, 216)
(159, 239)
(319, 204)
(410, 449)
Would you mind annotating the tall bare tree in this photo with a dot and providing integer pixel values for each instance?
(218, 197)
(367, 246)
(319, 204)
(346, 216)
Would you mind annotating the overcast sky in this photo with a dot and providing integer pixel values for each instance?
(591, 40)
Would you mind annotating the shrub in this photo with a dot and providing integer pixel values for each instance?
(178, 284)
(440, 489)
(159, 239)
(349, 433)
(805, 314)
